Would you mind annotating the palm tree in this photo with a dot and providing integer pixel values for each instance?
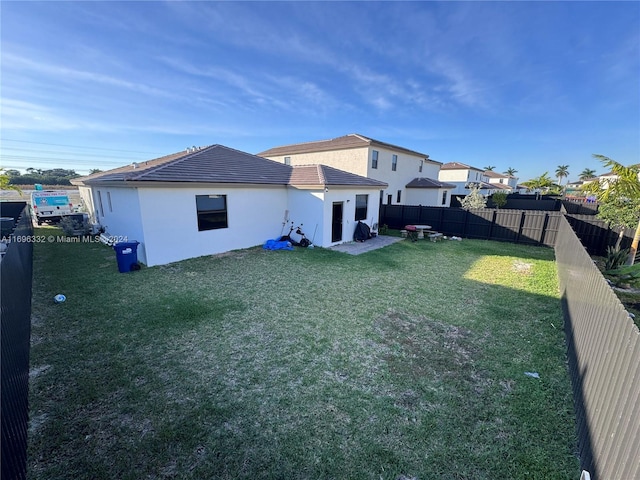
(562, 172)
(511, 171)
(543, 182)
(489, 168)
(625, 186)
(586, 174)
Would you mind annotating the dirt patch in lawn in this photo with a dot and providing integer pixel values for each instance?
(426, 350)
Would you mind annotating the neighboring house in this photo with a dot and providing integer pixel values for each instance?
(428, 192)
(502, 179)
(462, 176)
(396, 166)
(214, 199)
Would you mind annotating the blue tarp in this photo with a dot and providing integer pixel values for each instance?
(277, 245)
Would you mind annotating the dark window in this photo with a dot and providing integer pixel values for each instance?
(420, 167)
(444, 197)
(212, 212)
(394, 163)
(361, 206)
(100, 204)
(389, 199)
(399, 196)
(287, 160)
(374, 159)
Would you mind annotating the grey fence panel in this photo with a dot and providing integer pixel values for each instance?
(532, 228)
(552, 228)
(604, 363)
(15, 308)
(579, 208)
(507, 225)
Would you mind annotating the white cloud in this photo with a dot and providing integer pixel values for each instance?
(66, 75)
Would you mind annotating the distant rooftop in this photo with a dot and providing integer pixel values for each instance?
(352, 140)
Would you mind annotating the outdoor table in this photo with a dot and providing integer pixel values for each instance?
(421, 229)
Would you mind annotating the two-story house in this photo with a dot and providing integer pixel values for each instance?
(462, 176)
(412, 177)
(502, 180)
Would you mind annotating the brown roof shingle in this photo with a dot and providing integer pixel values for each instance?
(213, 164)
(308, 175)
(458, 166)
(352, 140)
(220, 164)
(423, 182)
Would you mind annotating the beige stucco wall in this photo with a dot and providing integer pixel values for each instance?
(359, 162)
(352, 160)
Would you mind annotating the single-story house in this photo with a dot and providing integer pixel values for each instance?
(213, 199)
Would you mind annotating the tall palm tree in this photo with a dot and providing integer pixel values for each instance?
(586, 174)
(489, 168)
(562, 172)
(511, 171)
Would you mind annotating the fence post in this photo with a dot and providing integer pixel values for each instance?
(545, 225)
(522, 218)
(493, 222)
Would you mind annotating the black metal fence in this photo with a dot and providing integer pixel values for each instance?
(596, 235)
(546, 203)
(518, 226)
(604, 363)
(16, 269)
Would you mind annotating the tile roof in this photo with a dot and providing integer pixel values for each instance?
(220, 164)
(308, 175)
(458, 166)
(490, 186)
(213, 164)
(492, 174)
(500, 186)
(422, 182)
(352, 140)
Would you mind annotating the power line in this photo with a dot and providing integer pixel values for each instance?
(58, 160)
(27, 159)
(35, 154)
(77, 146)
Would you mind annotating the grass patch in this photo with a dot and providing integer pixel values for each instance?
(405, 361)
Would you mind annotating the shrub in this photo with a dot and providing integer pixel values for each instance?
(615, 257)
(71, 227)
(499, 199)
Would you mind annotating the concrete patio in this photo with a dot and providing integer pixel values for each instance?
(356, 248)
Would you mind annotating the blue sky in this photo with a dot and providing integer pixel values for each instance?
(518, 84)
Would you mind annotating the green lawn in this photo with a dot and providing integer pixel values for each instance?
(406, 362)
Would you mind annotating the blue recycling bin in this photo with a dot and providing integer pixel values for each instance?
(127, 256)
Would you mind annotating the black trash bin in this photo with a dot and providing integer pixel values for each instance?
(127, 256)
